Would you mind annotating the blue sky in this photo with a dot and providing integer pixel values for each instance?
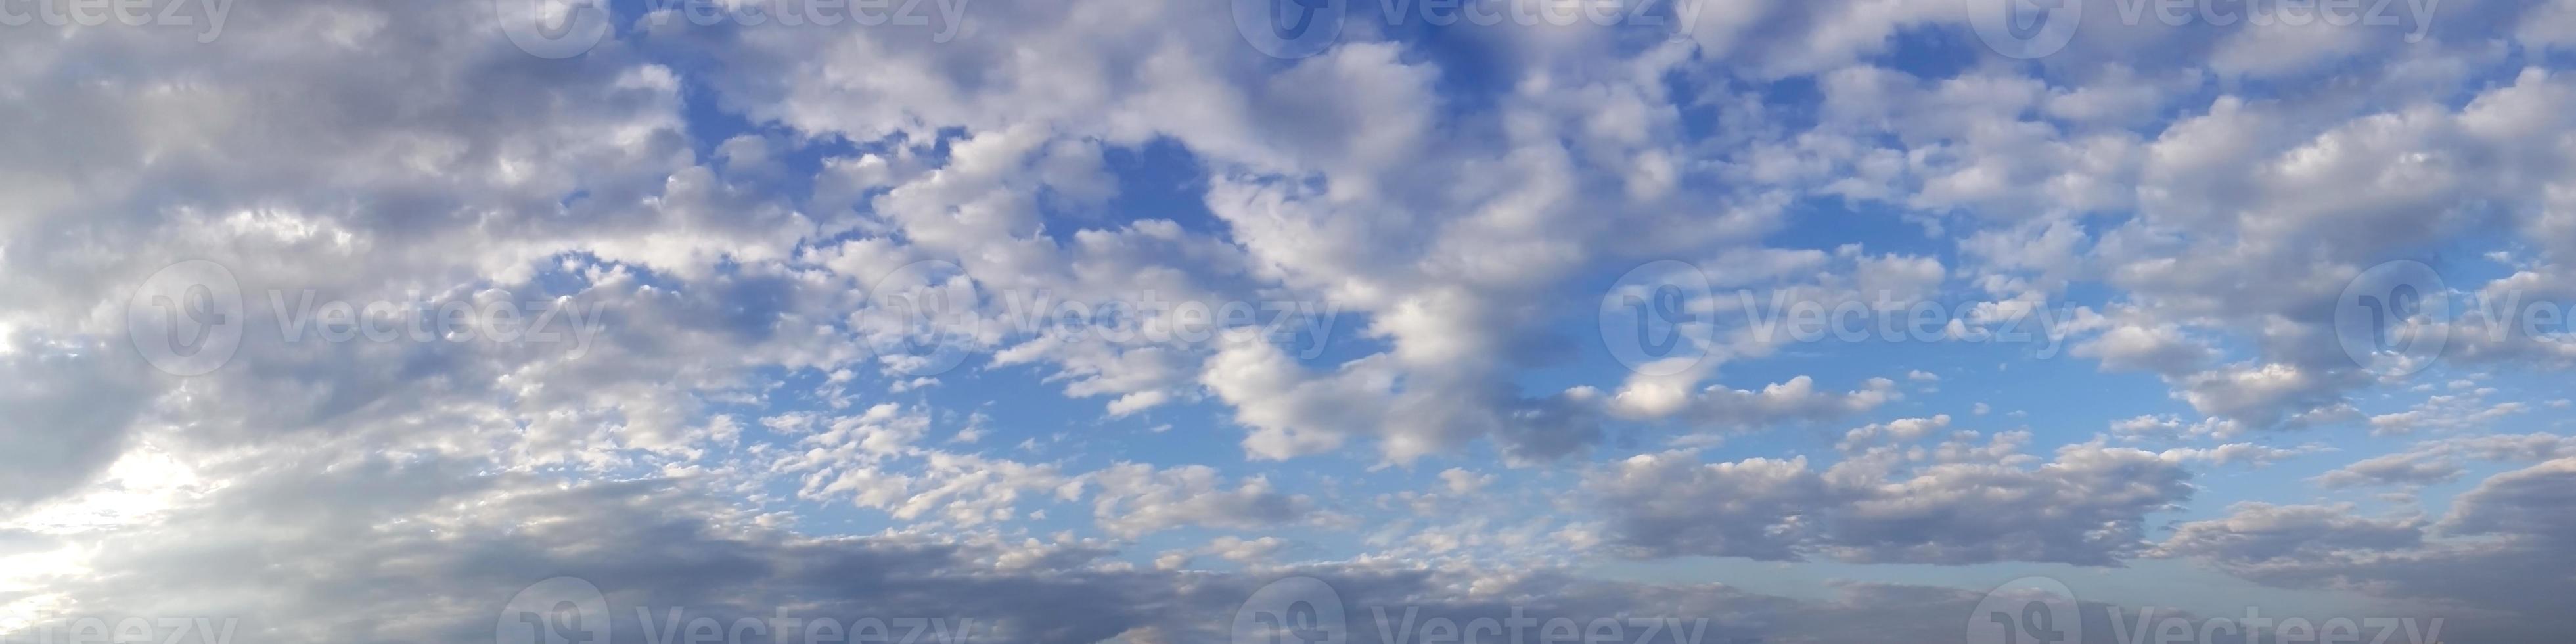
(1092, 320)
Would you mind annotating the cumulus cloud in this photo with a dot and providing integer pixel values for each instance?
(817, 363)
(1962, 503)
(2485, 559)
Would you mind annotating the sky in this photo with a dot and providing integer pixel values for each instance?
(1368, 321)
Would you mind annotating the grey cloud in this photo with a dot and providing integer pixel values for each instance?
(70, 410)
(373, 549)
(2496, 561)
(2089, 507)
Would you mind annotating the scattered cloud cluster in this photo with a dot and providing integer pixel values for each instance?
(1091, 318)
